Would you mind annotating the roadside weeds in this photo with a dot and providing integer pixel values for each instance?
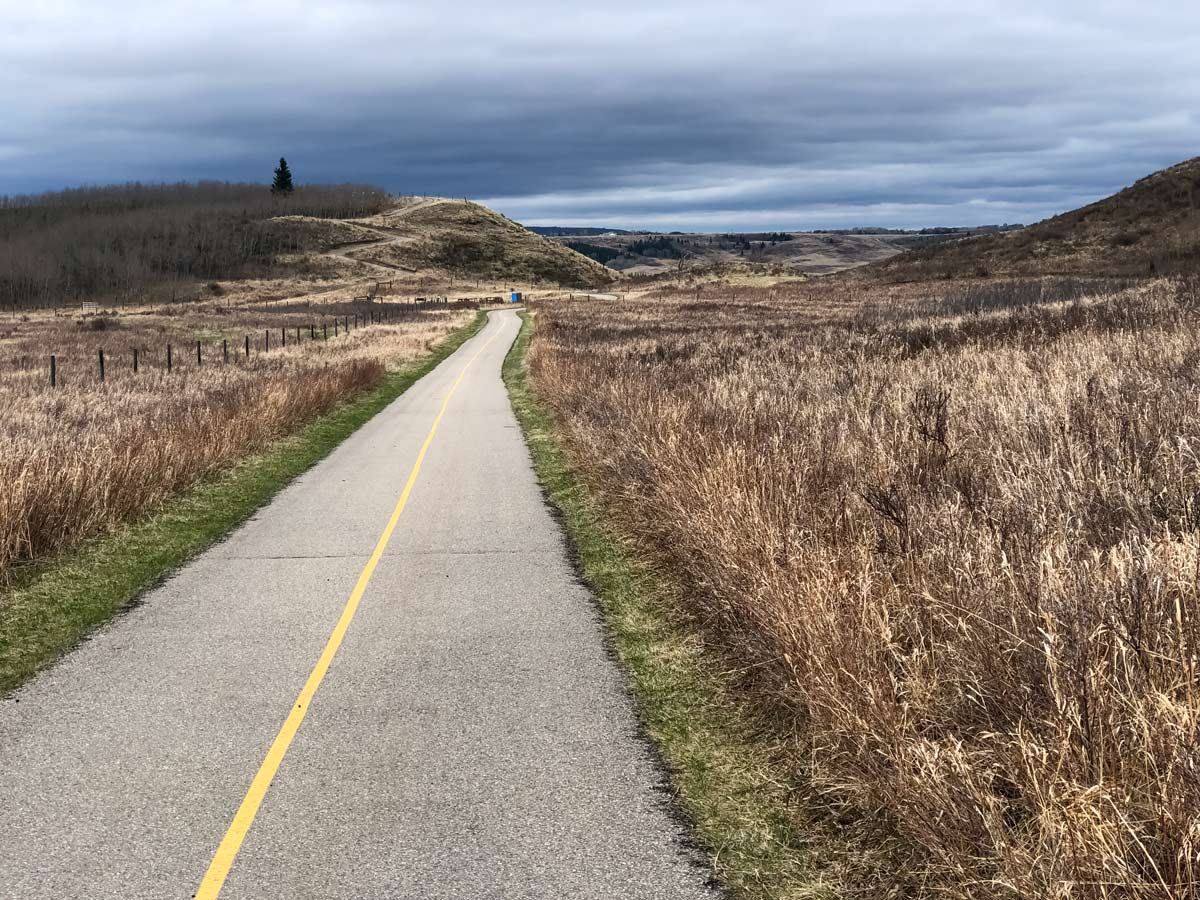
(50, 606)
(747, 820)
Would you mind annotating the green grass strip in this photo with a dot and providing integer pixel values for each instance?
(52, 605)
(743, 815)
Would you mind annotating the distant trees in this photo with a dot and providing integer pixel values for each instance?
(283, 178)
(128, 240)
(600, 254)
(657, 248)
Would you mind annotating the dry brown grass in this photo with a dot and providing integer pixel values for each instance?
(86, 456)
(469, 240)
(1151, 227)
(948, 542)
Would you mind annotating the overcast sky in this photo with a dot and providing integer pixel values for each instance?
(657, 113)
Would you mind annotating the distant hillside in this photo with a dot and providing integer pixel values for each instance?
(568, 231)
(771, 252)
(1149, 228)
(465, 238)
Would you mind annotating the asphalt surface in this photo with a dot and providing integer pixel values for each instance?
(471, 739)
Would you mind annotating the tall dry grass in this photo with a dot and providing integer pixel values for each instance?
(948, 539)
(88, 456)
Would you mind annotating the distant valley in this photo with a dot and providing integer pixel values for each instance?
(771, 252)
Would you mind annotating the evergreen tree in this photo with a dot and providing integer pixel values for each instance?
(283, 179)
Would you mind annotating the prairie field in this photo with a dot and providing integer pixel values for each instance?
(945, 541)
(86, 455)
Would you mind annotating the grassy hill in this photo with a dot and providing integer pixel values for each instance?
(464, 238)
(1149, 228)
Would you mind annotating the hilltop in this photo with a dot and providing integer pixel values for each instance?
(1150, 228)
(467, 239)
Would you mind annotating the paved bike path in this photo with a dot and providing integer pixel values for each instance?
(472, 738)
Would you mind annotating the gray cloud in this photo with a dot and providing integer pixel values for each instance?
(668, 115)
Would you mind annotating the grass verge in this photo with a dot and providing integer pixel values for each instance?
(722, 769)
(50, 606)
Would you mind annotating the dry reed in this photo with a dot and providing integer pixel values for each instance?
(948, 539)
(86, 456)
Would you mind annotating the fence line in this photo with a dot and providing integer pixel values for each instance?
(374, 296)
(382, 314)
(343, 325)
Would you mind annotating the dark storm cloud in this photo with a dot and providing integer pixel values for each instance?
(671, 114)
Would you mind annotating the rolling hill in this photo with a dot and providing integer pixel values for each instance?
(1150, 228)
(464, 238)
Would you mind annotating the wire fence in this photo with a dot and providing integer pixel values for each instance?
(377, 293)
(191, 355)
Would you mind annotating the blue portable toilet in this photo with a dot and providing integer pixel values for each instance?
(516, 296)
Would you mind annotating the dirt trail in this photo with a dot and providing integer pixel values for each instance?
(387, 225)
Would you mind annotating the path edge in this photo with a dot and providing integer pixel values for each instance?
(53, 605)
(749, 823)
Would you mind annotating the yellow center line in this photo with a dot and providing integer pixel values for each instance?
(218, 869)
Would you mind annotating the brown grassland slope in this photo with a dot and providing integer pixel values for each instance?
(464, 238)
(1149, 228)
(305, 233)
(945, 539)
(87, 456)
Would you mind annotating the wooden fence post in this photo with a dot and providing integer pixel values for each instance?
(53, 370)
(199, 358)
(101, 366)
(135, 360)
(267, 341)
(225, 349)
(168, 357)
(247, 346)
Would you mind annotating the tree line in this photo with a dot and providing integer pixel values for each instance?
(131, 239)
